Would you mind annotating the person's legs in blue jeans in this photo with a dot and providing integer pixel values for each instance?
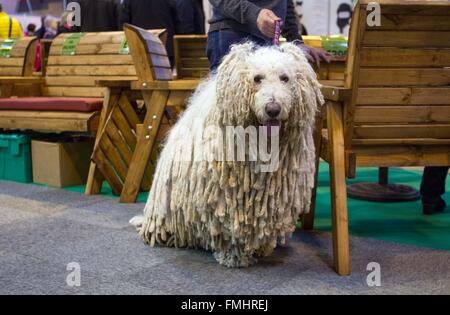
(219, 43)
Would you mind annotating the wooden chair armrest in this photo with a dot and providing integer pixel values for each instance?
(181, 85)
(336, 83)
(21, 80)
(114, 83)
(336, 94)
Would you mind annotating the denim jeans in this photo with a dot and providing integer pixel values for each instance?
(219, 43)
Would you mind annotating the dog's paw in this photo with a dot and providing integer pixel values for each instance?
(231, 260)
(137, 221)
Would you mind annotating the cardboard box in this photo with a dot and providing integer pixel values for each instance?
(61, 164)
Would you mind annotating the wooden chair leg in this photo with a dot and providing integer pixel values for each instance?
(95, 178)
(341, 246)
(308, 219)
(156, 102)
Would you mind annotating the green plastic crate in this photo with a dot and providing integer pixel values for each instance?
(15, 158)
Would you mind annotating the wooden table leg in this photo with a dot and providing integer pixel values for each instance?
(155, 102)
(308, 219)
(95, 178)
(341, 246)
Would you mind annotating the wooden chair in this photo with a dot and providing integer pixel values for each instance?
(17, 58)
(130, 169)
(191, 61)
(394, 108)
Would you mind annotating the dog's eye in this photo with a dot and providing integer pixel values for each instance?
(258, 79)
(284, 78)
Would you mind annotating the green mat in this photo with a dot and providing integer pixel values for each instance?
(396, 222)
(107, 191)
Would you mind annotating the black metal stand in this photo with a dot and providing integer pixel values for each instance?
(382, 191)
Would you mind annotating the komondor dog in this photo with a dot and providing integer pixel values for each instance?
(231, 201)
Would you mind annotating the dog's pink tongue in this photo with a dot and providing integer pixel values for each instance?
(272, 127)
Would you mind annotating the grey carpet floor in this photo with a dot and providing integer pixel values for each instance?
(42, 230)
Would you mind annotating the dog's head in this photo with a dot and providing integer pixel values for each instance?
(269, 86)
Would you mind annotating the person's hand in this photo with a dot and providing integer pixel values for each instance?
(314, 55)
(266, 22)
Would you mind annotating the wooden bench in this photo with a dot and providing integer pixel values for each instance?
(129, 165)
(75, 63)
(17, 58)
(394, 108)
(191, 61)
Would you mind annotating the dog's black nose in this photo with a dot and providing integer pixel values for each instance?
(273, 110)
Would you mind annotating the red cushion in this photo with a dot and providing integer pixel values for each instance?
(52, 104)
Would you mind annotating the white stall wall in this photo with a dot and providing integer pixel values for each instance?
(325, 17)
(24, 20)
(9, 6)
(208, 13)
(340, 17)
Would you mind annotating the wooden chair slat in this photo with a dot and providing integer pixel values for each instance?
(162, 74)
(68, 91)
(55, 121)
(82, 81)
(197, 53)
(414, 22)
(129, 113)
(429, 131)
(93, 38)
(404, 77)
(202, 62)
(402, 114)
(160, 61)
(122, 123)
(407, 39)
(405, 57)
(116, 138)
(400, 142)
(18, 52)
(114, 157)
(404, 96)
(98, 70)
(91, 60)
(155, 47)
(11, 62)
(403, 155)
(102, 163)
(94, 49)
(11, 71)
(417, 10)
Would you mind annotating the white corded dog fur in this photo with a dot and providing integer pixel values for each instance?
(231, 207)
